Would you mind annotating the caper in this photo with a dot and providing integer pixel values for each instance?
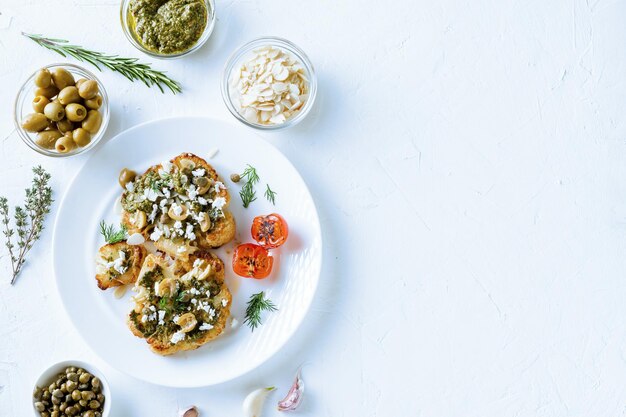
(57, 393)
(95, 382)
(84, 378)
(45, 414)
(72, 376)
(83, 403)
(98, 414)
(235, 177)
(93, 404)
(87, 395)
(37, 393)
(80, 371)
(186, 165)
(83, 387)
(71, 385)
(64, 388)
(100, 397)
(56, 400)
(76, 395)
(46, 395)
(39, 406)
(55, 413)
(63, 406)
(89, 413)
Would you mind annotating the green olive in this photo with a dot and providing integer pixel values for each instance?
(126, 176)
(88, 89)
(81, 138)
(66, 126)
(35, 122)
(93, 121)
(79, 82)
(75, 113)
(39, 102)
(63, 145)
(48, 92)
(54, 111)
(69, 95)
(47, 138)
(94, 103)
(43, 78)
(62, 78)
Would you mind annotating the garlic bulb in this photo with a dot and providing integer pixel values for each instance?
(253, 404)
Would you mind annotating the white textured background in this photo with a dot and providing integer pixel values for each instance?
(468, 159)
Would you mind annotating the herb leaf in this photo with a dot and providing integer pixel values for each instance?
(29, 220)
(270, 195)
(110, 234)
(247, 192)
(128, 67)
(256, 305)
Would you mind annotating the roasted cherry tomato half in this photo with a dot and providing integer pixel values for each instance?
(270, 231)
(252, 261)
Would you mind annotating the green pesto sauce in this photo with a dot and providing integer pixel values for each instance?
(168, 26)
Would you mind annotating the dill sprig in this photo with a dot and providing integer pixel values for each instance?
(128, 67)
(256, 305)
(270, 194)
(247, 192)
(29, 220)
(112, 235)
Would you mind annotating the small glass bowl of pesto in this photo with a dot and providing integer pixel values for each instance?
(167, 28)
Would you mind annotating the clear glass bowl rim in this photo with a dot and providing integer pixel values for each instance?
(206, 34)
(290, 47)
(19, 105)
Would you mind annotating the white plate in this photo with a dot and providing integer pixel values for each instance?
(101, 318)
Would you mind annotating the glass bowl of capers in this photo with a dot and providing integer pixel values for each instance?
(71, 388)
(61, 110)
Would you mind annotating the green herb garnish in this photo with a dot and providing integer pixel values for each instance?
(29, 220)
(128, 67)
(111, 235)
(247, 192)
(270, 195)
(256, 305)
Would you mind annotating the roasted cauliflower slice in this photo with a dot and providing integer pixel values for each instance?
(180, 305)
(118, 264)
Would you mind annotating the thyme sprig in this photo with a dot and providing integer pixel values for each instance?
(128, 67)
(247, 192)
(29, 220)
(270, 194)
(110, 234)
(256, 305)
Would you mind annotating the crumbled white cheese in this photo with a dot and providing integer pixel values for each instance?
(153, 214)
(166, 193)
(150, 194)
(153, 308)
(167, 166)
(202, 201)
(177, 209)
(194, 301)
(156, 234)
(234, 323)
(175, 319)
(130, 186)
(194, 291)
(224, 302)
(192, 192)
(161, 317)
(144, 318)
(181, 249)
(219, 185)
(198, 172)
(219, 203)
(178, 225)
(189, 234)
(177, 337)
(206, 326)
(156, 287)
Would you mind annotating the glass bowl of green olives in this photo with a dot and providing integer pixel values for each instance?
(71, 388)
(61, 110)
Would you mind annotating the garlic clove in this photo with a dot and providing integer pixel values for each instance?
(190, 411)
(294, 397)
(253, 404)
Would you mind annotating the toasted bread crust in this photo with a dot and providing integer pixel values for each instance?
(136, 256)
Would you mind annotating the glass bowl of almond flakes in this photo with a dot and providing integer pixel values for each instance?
(269, 84)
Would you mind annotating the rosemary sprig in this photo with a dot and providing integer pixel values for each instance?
(256, 305)
(270, 194)
(128, 67)
(29, 220)
(247, 192)
(111, 235)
